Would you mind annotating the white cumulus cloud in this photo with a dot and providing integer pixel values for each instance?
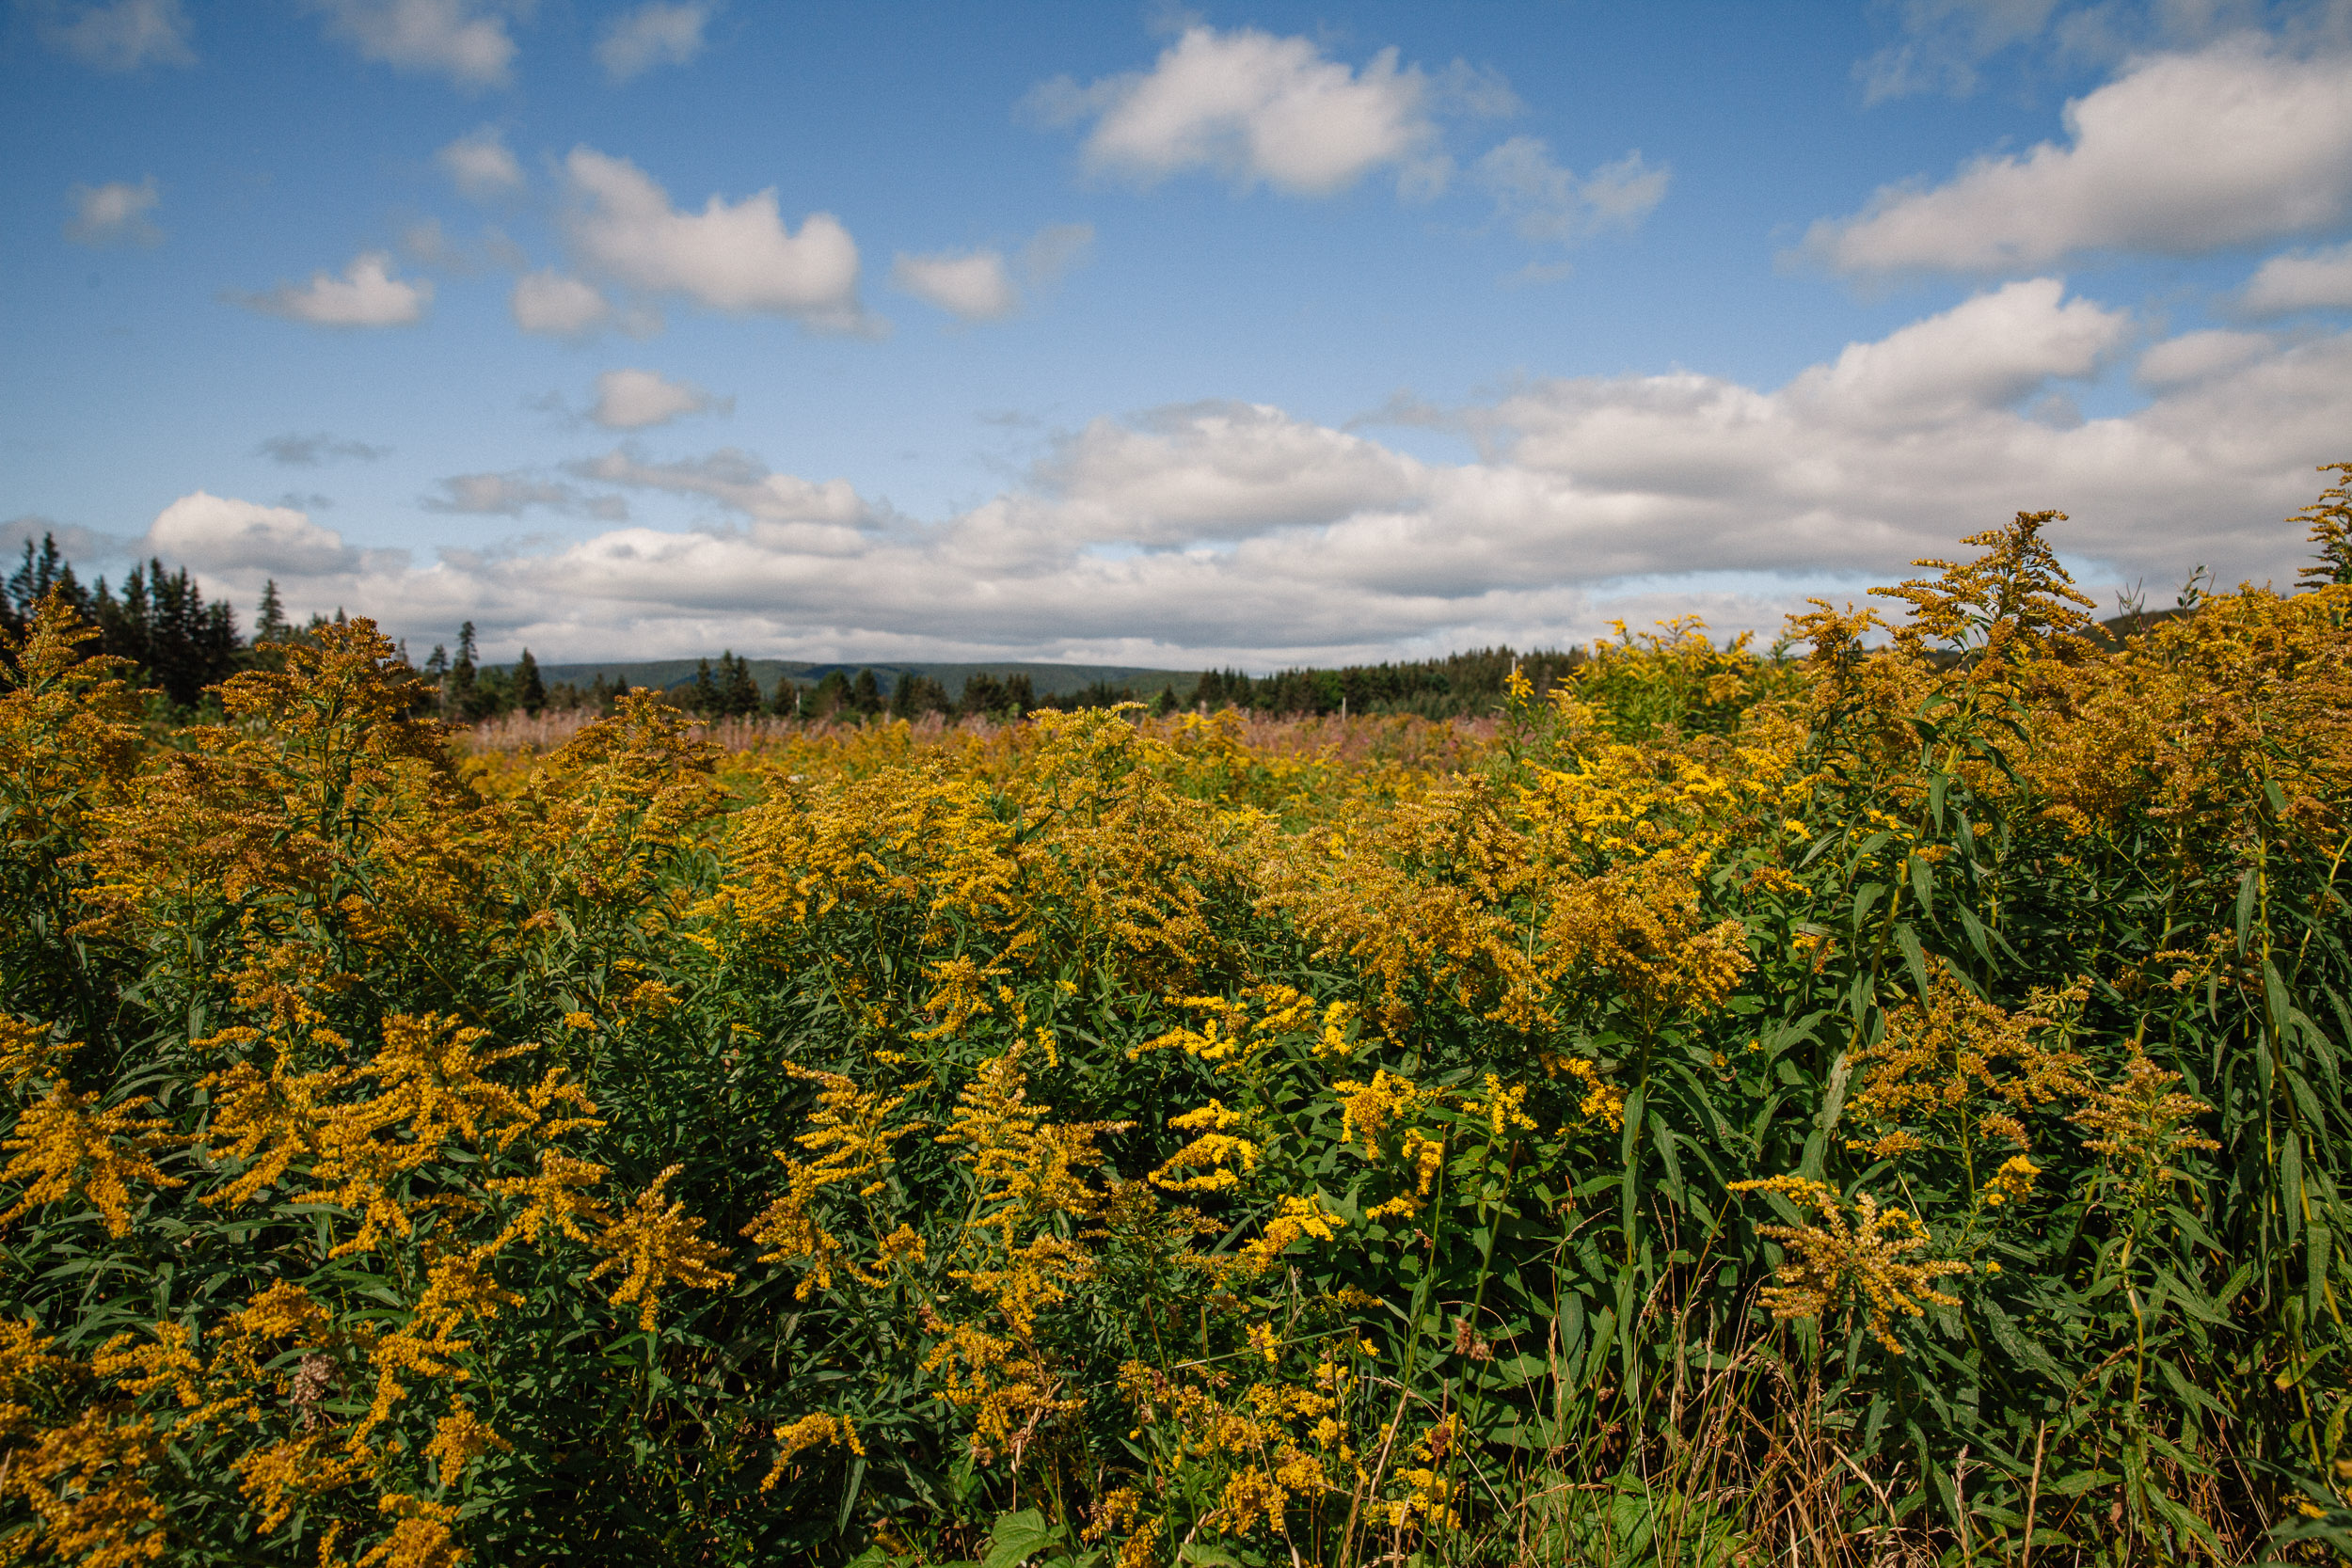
(1547, 203)
(740, 483)
(973, 284)
(739, 258)
(114, 214)
(465, 40)
(221, 534)
(123, 36)
(1217, 471)
(980, 285)
(1988, 352)
(555, 306)
(481, 164)
(2300, 280)
(366, 294)
(2195, 356)
(1253, 106)
(652, 35)
(2183, 154)
(634, 400)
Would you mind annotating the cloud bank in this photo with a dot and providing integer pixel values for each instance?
(1217, 531)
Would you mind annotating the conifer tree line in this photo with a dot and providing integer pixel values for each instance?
(160, 619)
(1458, 686)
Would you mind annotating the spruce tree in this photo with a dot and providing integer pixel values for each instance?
(982, 695)
(269, 620)
(458, 696)
(31, 582)
(832, 695)
(738, 689)
(531, 693)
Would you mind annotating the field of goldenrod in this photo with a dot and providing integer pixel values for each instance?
(1882, 1102)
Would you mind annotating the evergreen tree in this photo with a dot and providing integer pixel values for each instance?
(738, 689)
(982, 695)
(493, 693)
(1020, 695)
(269, 620)
(162, 623)
(31, 582)
(832, 695)
(785, 702)
(703, 696)
(865, 694)
(531, 693)
(458, 696)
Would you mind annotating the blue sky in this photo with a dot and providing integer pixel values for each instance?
(1261, 334)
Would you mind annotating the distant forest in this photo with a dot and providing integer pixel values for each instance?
(159, 619)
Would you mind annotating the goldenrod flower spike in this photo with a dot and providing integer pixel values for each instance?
(659, 1244)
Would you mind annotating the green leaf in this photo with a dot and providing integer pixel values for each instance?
(1974, 929)
(1207, 1555)
(2318, 1238)
(1663, 1137)
(2192, 1228)
(2196, 1304)
(2291, 1185)
(1913, 958)
(2020, 1346)
(1017, 1538)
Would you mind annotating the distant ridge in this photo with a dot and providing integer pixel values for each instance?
(1047, 680)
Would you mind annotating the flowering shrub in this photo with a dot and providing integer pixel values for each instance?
(1880, 1098)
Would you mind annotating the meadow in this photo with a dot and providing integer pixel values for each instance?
(1876, 1100)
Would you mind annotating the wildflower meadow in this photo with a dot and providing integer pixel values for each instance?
(1875, 1100)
